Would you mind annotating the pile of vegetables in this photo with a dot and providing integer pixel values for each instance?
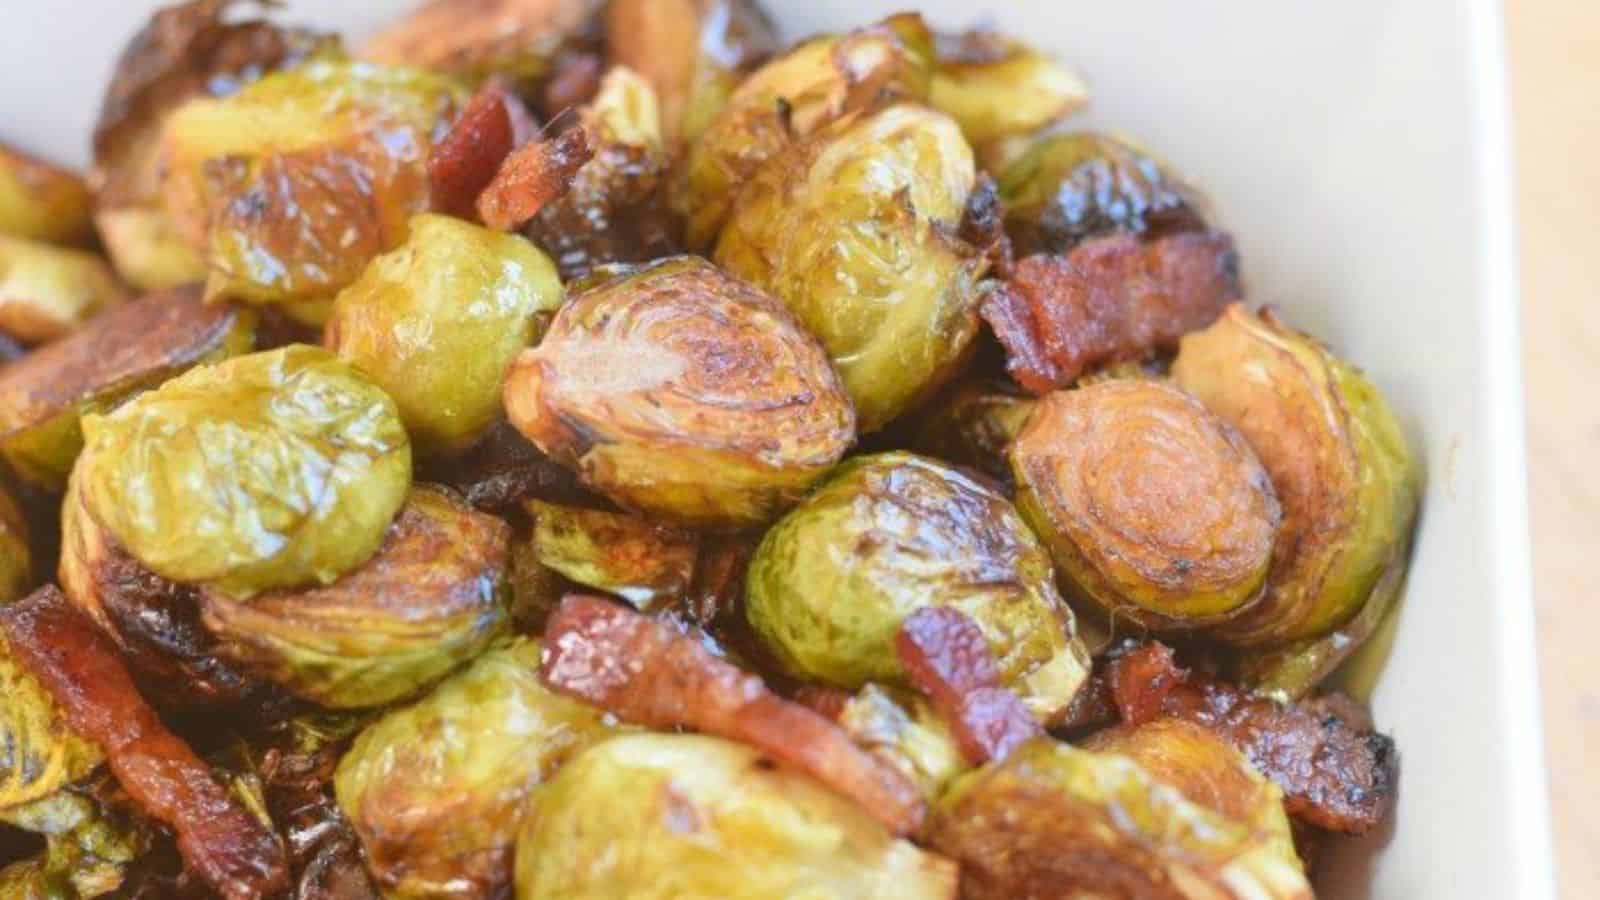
(567, 448)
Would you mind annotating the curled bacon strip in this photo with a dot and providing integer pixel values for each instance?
(1108, 300)
(646, 672)
(534, 175)
(465, 161)
(80, 668)
(947, 658)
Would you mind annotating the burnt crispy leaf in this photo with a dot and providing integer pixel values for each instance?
(646, 672)
(217, 837)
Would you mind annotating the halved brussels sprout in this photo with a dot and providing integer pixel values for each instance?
(693, 52)
(186, 50)
(973, 423)
(39, 753)
(47, 291)
(41, 202)
(997, 86)
(1337, 458)
(902, 729)
(1154, 510)
(1207, 771)
(617, 209)
(853, 231)
(292, 185)
(1065, 187)
(134, 346)
(16, 553)
(792, 98)
(1052, 820)
(437, 322)
(693, 816)
(275, 469)
(524, 40)
(685, 394)
(435, 790)
(89, 845)
(888, 535)
(641, 562)
(432, 597)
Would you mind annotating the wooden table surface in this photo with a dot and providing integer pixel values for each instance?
(1555, 72)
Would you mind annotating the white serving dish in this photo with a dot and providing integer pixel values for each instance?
(1358, 151)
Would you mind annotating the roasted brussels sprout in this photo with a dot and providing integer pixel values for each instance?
(693, 52)
(292, 185)
(887, 535)
(436, 789)
(693, 816)
(275, 469)
(1154, 510)
(1068, 186)
(432, 597)
(187, 50)
(792, 98)
(89, 845)
(16, 554)
(46, 291)
(154, 622)
(643, 563)
(616, 209)
(998, 87)
(973, 423)
(1207, 771)
(40, 202)
(1338, 461)
(437, 322)
(852, 230)
(39, 753)
(1052, 820)
(685, 394)
(900, 728)
(525, 40)
(123, 350)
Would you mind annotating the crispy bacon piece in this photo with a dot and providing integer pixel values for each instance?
(1335, 774)
(646, 672)
(946, 657)
(70, 656)
(465, 161)
(1140, 681)
(1110, 299)
(534, 175)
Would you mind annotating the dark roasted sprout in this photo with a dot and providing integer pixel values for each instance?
(1066, 187)
(813, 445)
(682, 392)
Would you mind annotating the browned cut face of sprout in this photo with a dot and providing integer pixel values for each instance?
(596, 448)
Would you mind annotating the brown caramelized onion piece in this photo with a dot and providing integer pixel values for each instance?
(466, 159)
(533, 176)
(504, 469)
(217, 837)
(1335, 774)
(648, 673)
(946, 657)
(1108, 300)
